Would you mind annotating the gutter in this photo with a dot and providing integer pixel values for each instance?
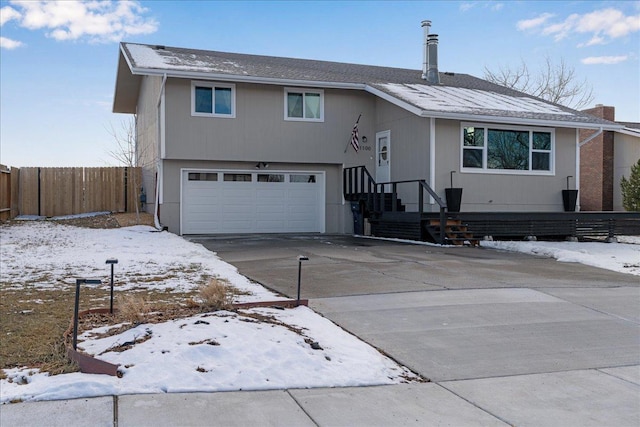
(156, 213)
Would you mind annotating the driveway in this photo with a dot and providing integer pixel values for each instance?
(516, 335)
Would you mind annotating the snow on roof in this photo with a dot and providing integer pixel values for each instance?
(456, 99)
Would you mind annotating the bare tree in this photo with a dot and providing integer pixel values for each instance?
(554, 82)
(126, 152)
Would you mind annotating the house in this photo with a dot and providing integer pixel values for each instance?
(604, 160)
(238, 143)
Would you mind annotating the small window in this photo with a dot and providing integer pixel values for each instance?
(203, 176)
(241, 177)
(270, 177)
(302, 178)
(212, 99)
(304, 105)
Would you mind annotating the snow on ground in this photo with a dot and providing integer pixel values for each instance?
(214, 351)
(623, 257)
(208, 352)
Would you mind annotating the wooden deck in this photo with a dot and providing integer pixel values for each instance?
(469, 226)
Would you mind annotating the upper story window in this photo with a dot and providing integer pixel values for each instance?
(304, 105)
(498, 149)
(210, 99)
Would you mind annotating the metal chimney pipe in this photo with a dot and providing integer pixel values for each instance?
(426, 25)
(432, 70)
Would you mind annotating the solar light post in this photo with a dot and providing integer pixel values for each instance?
(300, 259)
(77, 306)
(111, 261)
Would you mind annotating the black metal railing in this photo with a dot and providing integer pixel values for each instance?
(359, 185)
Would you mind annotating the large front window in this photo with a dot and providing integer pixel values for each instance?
(515, 150)
(304, 105)
(212, 99)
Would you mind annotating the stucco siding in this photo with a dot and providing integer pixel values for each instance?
(626, 154)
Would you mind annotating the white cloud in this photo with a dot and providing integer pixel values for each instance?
(592, 60)
(603, 25)
(466, 6)
(528, 24)
(6, 43)
(95, 21)
(8, 13)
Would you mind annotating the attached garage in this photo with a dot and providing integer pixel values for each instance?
(234, 201)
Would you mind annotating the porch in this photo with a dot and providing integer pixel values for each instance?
(378, 206)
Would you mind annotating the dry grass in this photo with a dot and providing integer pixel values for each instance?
(217, 294)
(31, 333)
(133, 308)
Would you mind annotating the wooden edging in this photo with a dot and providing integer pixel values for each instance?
(91, 365)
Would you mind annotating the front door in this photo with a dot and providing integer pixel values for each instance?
(383, 156)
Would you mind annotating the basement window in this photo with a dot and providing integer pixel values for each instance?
(213, 99)
(304, 105)
(516, 150)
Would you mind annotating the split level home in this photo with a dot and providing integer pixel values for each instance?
(241, 143)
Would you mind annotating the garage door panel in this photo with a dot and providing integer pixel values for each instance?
(218, 207)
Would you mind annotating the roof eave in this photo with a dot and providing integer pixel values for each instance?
(127, 86)
(245, 79)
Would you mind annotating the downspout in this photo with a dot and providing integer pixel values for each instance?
(595, 135)
(156, 216)
(432, 156)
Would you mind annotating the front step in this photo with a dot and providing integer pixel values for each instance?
(455, 232)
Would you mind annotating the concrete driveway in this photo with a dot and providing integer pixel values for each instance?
(527, 339)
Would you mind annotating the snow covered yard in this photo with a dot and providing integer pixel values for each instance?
(623, 257)
(252, 349)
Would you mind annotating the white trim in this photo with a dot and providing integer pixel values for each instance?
(162, 149)
(395, 101)
(630, 131)
(485, 149)
(304, 92)
(213, 86)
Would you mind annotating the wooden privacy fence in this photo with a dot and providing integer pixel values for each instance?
(68, 191)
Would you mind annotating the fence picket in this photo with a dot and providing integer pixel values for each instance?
(67, 191)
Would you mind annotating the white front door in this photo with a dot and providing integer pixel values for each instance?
(383, 156)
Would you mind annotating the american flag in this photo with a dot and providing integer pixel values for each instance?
(355, 139)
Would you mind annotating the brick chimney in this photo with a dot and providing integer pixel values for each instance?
(596, 165)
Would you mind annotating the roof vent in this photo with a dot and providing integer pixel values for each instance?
(159, 47)
(432, 67)
(425, 52)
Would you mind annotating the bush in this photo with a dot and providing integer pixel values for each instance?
(631, 189)
(133, 308)
(217, 295)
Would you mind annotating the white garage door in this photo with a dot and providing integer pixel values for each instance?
(252, 202)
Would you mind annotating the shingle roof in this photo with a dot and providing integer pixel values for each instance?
(457, 94)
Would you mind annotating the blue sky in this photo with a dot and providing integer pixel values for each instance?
(58, 60)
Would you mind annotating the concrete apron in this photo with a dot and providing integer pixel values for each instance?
(501, 330)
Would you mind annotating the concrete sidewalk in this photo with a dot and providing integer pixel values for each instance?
(507, 339)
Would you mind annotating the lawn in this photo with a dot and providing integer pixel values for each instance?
(177, 345)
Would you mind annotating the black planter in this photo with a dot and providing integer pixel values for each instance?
(454, 199)
(569, 199)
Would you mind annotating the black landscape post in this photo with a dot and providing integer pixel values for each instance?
(111, 261)
(300, 259)
(77, 306)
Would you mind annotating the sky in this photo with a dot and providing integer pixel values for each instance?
(58, 59)
(208, 352)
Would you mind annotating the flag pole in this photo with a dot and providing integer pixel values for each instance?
(351, 136)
